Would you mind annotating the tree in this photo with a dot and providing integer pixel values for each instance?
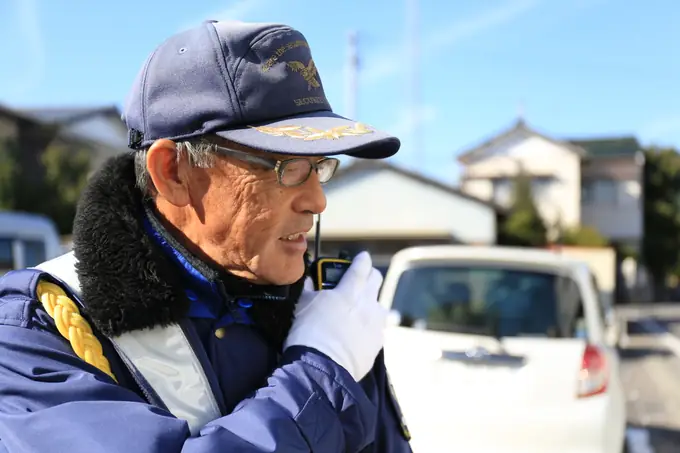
(661, 241)
(64, 168)
(8, 168)
(523, 226)
(582, 235)
(66, 173)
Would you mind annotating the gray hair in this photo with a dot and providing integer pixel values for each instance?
(201, 154)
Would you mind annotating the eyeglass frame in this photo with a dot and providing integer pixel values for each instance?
(278, 165)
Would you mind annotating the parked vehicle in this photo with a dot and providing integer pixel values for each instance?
(26, 240)
(502, 350)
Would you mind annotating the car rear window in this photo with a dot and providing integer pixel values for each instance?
(487, 299)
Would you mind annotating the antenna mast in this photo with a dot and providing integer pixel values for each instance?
(352, 87)
(317, 238)
(413, 41)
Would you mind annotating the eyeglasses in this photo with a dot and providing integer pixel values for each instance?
(289, 172)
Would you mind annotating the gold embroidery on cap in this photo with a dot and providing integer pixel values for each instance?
(310, 133)
(308, 72)
(309, 100)
(280, 51)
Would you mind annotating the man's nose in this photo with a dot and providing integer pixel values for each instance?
(312, 198)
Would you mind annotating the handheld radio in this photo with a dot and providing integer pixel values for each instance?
(326, 272)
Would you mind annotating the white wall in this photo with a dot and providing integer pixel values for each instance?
(383, 203)
(559, 199)
(480, 188)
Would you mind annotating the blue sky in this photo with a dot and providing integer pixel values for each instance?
(574, 67)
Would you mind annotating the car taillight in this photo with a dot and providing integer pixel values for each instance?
(593, 376)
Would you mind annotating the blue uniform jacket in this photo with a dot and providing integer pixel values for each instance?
(133, 275)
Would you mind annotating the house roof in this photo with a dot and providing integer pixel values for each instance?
(587, 148)
(362, 165)
(609, 147)
(68, 115)
(518, 128)
(8, 112)
(64, 118)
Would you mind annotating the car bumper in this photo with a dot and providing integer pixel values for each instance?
(593, 425)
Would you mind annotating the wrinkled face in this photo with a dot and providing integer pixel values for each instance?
(238, 215)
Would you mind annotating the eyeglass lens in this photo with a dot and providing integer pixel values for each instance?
(298, 170)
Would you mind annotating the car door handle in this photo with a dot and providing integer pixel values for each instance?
(480, 356)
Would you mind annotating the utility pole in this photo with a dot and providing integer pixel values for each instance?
(413, 41)
(352, 81)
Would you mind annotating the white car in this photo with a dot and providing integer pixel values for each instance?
(26, 239)
(502, 350)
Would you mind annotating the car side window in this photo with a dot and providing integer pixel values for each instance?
(34, 253)
(601, 309)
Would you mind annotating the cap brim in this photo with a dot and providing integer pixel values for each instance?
(316, 134)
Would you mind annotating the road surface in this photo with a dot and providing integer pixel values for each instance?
(651, 376)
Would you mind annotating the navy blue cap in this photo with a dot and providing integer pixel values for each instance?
(254, 84)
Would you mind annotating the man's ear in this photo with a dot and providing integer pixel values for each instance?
(167, 172)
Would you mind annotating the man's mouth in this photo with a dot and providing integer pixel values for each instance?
(295, 237)
(295, 242)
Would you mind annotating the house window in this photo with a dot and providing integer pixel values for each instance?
(606, 192)
(602, 192)
(502, 191)
(587, 192)
(540, 187)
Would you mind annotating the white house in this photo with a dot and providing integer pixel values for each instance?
(594, 182)
(381, 207)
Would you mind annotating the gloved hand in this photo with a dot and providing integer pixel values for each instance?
(346, 323)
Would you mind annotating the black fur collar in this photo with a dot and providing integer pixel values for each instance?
(127, 280)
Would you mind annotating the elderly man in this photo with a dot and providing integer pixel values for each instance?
(183, 320)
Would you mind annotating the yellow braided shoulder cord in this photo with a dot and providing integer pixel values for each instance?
(73, 326)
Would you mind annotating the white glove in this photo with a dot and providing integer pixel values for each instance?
(346, 323)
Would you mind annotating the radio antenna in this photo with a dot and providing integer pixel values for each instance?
(317, 238)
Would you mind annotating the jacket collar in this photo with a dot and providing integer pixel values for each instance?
(135, 275)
